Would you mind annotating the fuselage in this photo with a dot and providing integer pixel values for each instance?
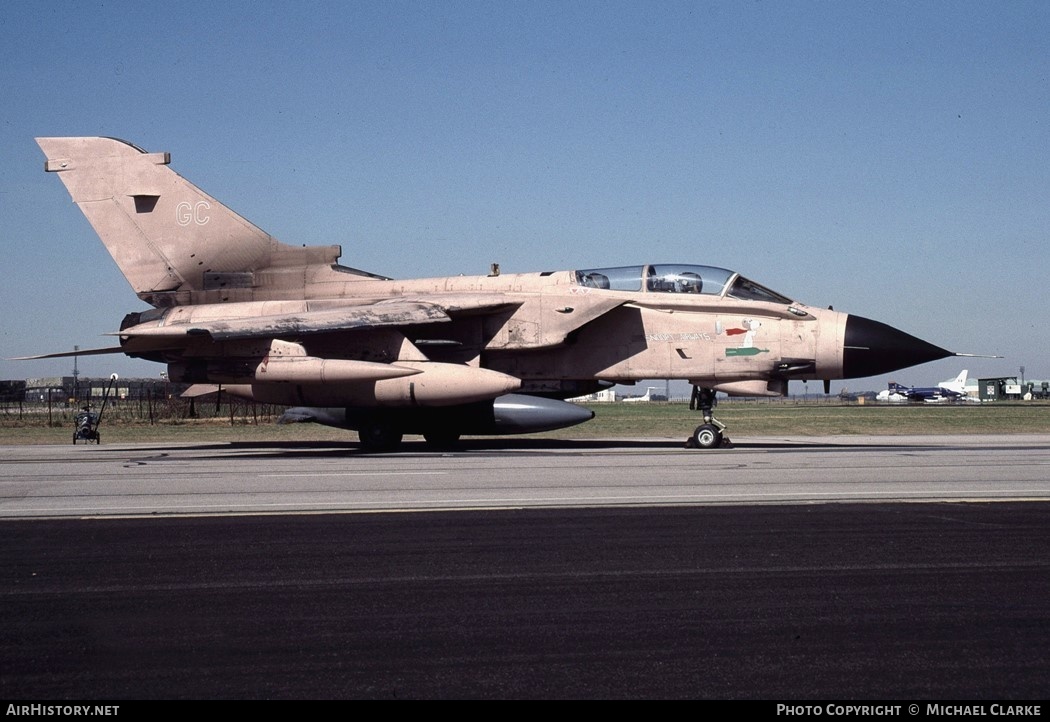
(555, 331)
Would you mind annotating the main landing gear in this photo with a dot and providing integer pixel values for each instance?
(382, 434)
(711, 433)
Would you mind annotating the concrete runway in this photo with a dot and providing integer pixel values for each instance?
(59, 481)
(652, 572)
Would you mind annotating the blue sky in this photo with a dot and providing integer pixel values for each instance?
(890, 159)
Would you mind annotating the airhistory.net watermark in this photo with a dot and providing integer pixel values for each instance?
(62, 710)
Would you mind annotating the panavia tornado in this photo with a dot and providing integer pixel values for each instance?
(441, 357)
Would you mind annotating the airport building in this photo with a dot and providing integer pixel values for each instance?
(77, 390)
(1007, 388)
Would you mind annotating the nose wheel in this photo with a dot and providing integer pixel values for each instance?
(711, 433)
(706, 436)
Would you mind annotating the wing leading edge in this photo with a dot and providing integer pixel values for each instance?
(295, 324)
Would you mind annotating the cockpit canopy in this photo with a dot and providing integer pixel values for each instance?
(678, 278)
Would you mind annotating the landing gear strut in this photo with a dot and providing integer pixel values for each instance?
(711, 433)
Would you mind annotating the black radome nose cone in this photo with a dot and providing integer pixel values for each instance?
(872, 348)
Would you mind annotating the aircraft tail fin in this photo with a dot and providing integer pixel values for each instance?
(171, 240)
(956, 385)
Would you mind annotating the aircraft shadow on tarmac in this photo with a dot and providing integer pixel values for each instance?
(487, 446)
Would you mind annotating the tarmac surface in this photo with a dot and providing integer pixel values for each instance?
(86, 480)
(790, 569)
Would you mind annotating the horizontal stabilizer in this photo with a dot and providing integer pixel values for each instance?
(198, 390)
(67, 354)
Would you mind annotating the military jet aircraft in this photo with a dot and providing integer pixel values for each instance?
(441, 357)
(946, 391)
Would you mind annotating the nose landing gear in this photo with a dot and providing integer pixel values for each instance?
(711, 433)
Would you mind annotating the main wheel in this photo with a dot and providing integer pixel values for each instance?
(380, 435)
(707, 436)
(443, 439)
